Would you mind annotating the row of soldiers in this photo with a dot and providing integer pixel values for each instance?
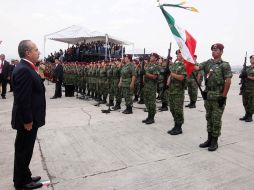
(126, 78)
(100, 80)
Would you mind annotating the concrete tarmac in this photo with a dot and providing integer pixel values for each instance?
(81, 148)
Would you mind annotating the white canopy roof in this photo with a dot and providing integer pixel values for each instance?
(77, 34)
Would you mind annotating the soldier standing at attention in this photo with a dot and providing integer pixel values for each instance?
(117, 90)
(176, 82)
(218, 81)
(127, 82)
(193, 87)
(152, 71)
(248, 91)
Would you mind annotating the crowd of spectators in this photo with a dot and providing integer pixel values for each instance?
(87, 52)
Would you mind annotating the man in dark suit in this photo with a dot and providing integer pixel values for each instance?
(28, 113)
(58, 79)
(4, 74)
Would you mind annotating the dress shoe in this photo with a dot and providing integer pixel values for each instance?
(36, 178)
(31, 185)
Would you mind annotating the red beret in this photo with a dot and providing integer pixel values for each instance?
(217, 46)
(155, 55)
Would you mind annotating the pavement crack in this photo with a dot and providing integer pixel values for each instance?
(44, 165)
(106, 172)
(89, 115)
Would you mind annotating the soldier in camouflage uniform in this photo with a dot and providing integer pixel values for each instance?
(94, 80)
(218, 81)
(127, 82)
(137, 83)
(176, 83)
(103, 83)
(248, 91)
(193, 87)
(110, 83)
(117, 90)
(161, 85)
(98, 83)
(151, 74)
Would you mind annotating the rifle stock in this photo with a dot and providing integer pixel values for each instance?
(167, 70)
(141, 82)
(242, 75)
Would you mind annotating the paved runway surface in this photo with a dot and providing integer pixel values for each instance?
(81, 148)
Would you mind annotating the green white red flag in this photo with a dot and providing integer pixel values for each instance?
(184, 40)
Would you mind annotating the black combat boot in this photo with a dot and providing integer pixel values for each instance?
(207, 142)
(92, 95)
(169, 132)
(188, 105)
(117, 106)
(144, 121)
(150, 119)
(104, 100)
(214, 144)
(141, 101)
(178, 129)
(111, 103)
(244, 117)
(249, 118)
(88, 93)
(136, 98)
(128, 110)
(193, 104)
(164, 107)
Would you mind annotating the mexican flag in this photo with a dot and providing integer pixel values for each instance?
(184, 40)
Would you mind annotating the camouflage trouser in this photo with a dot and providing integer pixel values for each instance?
(111, 89)
(136, 88)
(103, 87)
(192, 89)
(93, 87)
(118, 94)
(213, 117)
(164, 97)
(97, 86)
(149, 99)
(176, 107)
(248, 102)
(127, 95)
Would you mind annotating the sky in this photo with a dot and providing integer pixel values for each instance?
(229, 22)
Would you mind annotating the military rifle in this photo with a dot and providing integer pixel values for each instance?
(243, 75)
(141, 81)
(167, 70)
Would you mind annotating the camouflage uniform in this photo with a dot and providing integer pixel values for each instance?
(192, 89)
(150, 87)
(103, 83)
(127, 71)
(162, 92)
(137, 84)
(248, 95)
(216, 74)
(93, 81)
(117, 91)
(176, 96)
(110, 85)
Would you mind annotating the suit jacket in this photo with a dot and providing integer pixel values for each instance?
(58, 73)
(6, 70)
(29, 97)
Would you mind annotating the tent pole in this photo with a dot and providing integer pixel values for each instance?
(106, 49)
(44, 48)
(122, 50)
